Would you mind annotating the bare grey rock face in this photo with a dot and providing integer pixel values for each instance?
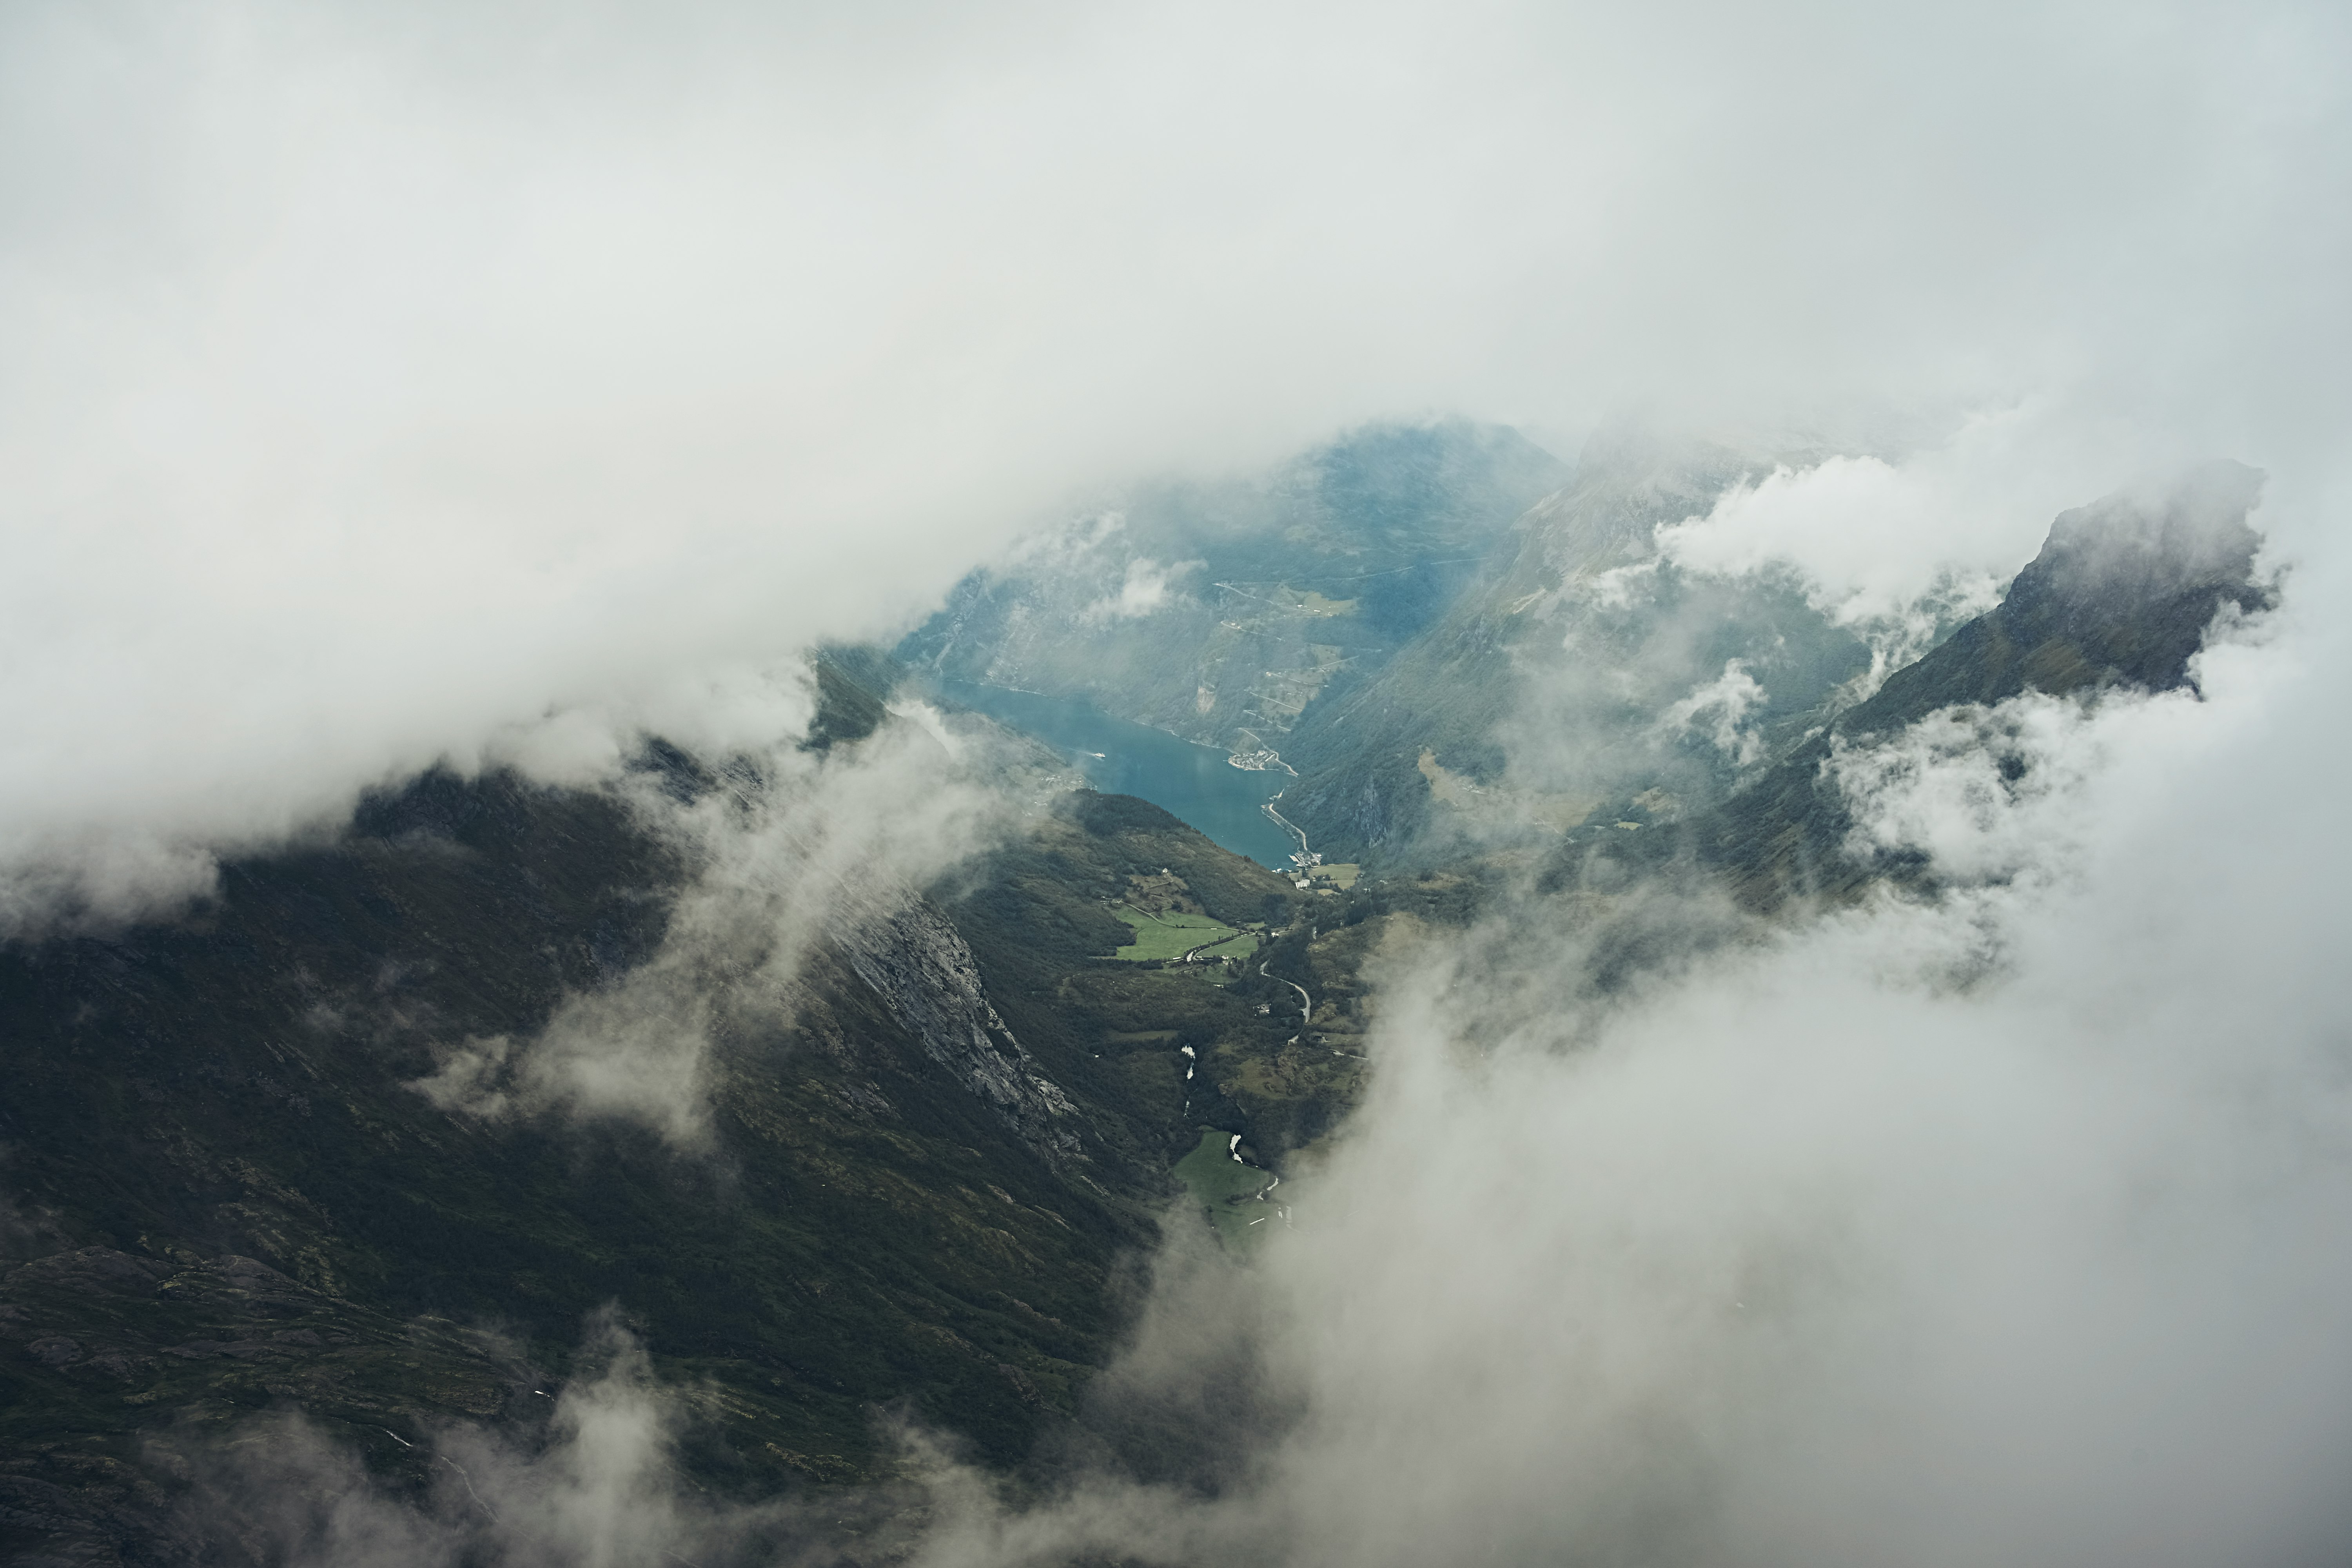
(926, 973)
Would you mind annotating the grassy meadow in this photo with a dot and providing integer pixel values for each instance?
(1174, 934)
(1227, 1189)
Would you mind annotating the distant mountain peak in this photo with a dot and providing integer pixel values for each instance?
(2141, 545)
(2122, 594)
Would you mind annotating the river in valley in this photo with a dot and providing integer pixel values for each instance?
(1192, 782)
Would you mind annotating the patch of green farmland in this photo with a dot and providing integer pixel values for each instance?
(1173, 935)
(1240, 945)
(1227, 1191)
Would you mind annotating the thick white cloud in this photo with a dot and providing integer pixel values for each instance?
(819, 847)
(1145, 588)
(1873, 534)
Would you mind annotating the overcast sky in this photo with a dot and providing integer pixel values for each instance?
(383, 379)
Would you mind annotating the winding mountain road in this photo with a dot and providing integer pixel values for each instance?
(1305, 1002)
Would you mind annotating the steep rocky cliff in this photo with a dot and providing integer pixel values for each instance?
(916, 963)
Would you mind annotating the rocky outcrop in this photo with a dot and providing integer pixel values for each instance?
(924, 973)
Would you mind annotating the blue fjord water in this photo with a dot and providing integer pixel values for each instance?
(1194, 783)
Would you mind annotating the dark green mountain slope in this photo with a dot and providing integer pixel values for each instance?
(226, 1195)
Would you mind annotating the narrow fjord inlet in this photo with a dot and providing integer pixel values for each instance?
(1196, 784)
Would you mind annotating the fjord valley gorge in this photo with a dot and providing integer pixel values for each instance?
(1134, 786)
(886, 1115)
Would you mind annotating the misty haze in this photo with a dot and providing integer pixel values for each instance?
(1305, 786)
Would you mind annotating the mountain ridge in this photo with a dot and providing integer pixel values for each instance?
(2122, 594)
